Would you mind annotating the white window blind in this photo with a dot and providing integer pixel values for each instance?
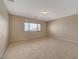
(32, 26)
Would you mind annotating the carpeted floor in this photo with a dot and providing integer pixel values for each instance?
(46, 48)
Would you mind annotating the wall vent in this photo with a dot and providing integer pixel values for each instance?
(11, 0)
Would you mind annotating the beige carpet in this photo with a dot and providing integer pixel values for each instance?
(46, 48)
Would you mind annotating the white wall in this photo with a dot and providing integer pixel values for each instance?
(17, 32)
(64, 28)
(3, 28)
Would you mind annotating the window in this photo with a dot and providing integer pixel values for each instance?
(32, 26)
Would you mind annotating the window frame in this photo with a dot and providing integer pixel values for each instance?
(29, 27)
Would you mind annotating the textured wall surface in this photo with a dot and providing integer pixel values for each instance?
(65, 28)
(3, 28)
(17, 32)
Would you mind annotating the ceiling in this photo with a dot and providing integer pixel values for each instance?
(33, 8)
